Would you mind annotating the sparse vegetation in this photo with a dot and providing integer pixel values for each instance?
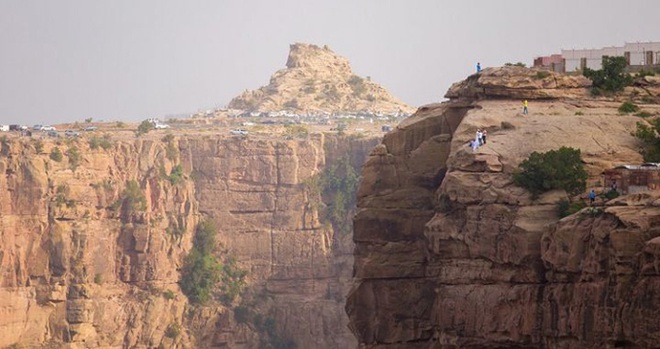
(144, 128)
(612, 78)
(242, 314)
(75, 158)
(202, 272)
(579, 112)
(610, 194)
(176, 175)
(296, 131)
(542, 74)
(232, 281)
(567, 208)
(555, 169)
(104, 142)
(357, 85)
(120, 124)
(517, 64)
(132, 199)
(38, 146)
(648, 135)
(643, 72)
(98, 278)
(173, 330)
(336, 186)
(628, 107)
(56, 154)
(643, 114)
(88, 120)
(309, 89)
(291, 104)
(62, 197)
(332, 93)
(169, 294)
(270, 339)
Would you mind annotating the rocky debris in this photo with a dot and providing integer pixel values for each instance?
(450, 254)
(520, 83)
(316, 80)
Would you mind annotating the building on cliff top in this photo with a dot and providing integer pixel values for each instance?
(638, 55)
(630, 179)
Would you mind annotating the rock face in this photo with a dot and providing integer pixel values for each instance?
(450, 254)
(91, 246)
(519, 83)
(317, 80)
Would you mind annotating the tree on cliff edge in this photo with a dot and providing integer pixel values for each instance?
(555, 169)
(611, 78)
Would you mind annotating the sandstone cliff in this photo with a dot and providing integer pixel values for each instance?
(92, 242)
(450, 254)
(318, 80)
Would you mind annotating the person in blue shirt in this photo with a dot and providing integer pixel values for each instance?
(478, 67)
(592, 196)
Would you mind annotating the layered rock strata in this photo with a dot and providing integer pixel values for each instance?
(92, 241)
(450, 254)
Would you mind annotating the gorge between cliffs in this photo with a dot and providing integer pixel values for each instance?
(445, 251)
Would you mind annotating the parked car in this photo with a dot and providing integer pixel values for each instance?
(239, 132)
(4, 128)
(53, 134)
(48, 128)
(247, 123)
(71, 133)
(38, 127)
(90, 128)
(161, 126)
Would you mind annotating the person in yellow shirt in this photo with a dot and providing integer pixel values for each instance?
(525, 107)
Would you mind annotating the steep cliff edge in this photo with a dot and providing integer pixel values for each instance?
(93, 239)
(450, 254)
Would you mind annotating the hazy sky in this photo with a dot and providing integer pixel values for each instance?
(68, 60)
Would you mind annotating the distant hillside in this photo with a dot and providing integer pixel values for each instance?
(318, 80)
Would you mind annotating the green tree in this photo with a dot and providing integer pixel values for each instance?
(144, 127)
(56, 154)
(611, 78)
(648, 135)
(133, 199)
(75, 158)
(339, 184)
(201, 271)
(555, 169)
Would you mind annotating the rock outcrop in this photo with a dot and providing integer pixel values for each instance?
(92, 241)
(318, 80)
(450, 254)
(519, 83)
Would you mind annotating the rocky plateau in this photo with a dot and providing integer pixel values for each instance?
(451, 254)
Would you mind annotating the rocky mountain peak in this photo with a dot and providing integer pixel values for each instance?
(317, 80)
(303, 55)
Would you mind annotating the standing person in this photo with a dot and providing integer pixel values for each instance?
(525, 107)
(477, 137)
(483, 136)
(475, 146)
(478, 67)
(592, 197)
(613, 186)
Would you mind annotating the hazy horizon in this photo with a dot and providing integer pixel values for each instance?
(125, 60)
